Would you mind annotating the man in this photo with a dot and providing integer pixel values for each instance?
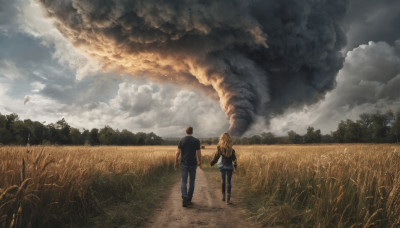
(189, 147)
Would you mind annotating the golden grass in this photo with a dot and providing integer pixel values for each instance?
(324, 185)
(63, 185)
(301, 186)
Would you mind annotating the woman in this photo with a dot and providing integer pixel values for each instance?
(227, 154)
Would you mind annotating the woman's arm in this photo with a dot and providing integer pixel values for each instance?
(216, 157)
(234, 161)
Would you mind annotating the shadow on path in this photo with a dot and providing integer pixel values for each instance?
(207, 210)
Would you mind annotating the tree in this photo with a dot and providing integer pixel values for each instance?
(39, 133)
(395, 129)
(255, 139)
(3, 121)
(54, 136)
(107, 136)
(6, 136)
(127, 138)
(21, 132)
(268, 138)
(94, 137)
(327, 139)
(379, 127)
(11, 119)
(76, 137)
(141, 138)
(15, 131)
(63, 129)
(353, 132)
(312, 136)
(86, 137)
(153, 139)
(365, 122)
(294, 138)
(338, 135)
(308, 137)
(317, 136)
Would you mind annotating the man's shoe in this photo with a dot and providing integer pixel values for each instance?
(189, 202)
(184, 201)
(228, 200)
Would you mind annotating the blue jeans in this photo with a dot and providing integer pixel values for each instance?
(226, 173)
(191, 171)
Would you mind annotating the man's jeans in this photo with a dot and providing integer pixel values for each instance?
(191, 171)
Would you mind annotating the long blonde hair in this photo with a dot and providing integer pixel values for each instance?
(225, 145)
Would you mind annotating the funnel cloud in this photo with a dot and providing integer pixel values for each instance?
(257, 58)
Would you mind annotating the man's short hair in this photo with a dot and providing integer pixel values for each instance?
(189, 130)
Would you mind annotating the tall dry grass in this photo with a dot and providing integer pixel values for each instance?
(324, 185)
(300, 186)
(64, 185)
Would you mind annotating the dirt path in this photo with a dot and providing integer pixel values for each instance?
(207, 210)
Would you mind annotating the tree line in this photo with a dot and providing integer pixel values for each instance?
(369, 128)
(21, 132)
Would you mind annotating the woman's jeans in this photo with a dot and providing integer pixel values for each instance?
(228, 174)
(191, 172)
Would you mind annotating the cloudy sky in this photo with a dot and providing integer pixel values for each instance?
(53, 67)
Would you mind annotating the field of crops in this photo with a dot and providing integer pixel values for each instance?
(324, 185)
(309, 186)
(64, 185)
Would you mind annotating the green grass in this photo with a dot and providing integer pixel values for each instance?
(133, 210)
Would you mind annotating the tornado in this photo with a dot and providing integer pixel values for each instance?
(256, 57)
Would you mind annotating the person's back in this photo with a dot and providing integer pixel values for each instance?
(188, 146)
(227, 165)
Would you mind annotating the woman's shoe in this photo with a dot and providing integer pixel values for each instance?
(228, 200)
(184, 201)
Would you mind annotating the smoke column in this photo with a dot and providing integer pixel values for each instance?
(257, 57)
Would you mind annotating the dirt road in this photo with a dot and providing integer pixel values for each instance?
(208, 210)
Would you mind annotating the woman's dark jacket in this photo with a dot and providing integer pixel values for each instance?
(225, 160)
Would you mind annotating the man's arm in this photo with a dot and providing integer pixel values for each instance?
(178, 152)
(198, 152)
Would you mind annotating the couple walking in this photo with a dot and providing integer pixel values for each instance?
(190, 152)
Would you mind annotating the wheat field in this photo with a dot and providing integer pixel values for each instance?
(63, 185)
(336, 185)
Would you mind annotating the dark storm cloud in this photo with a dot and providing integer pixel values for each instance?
(260, 57)
(372, 20)
(371, 74)
(369, 82)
